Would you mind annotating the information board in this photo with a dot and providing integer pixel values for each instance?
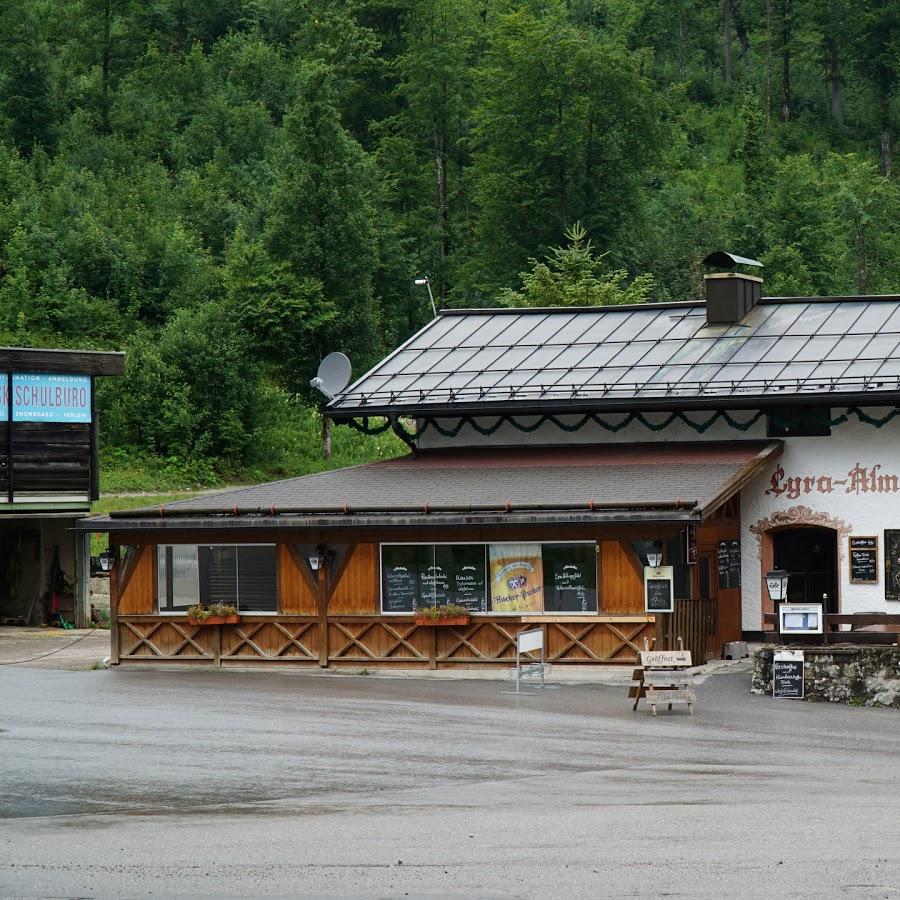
(46, 398)
(658, 594)
(728, 559)
(460, 575)
(800, 618)
(689, 549)
(891, 564)
(570, 577)
(402, 566)
(863, 560)
(787, 674)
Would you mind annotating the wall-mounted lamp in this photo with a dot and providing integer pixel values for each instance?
(776, 585)
(655, 556)
(106, 560)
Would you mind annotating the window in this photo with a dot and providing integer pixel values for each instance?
(499, 578)
(243, 575)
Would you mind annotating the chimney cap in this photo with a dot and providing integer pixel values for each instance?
(725, 260)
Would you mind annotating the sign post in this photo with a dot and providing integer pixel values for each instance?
(527, 641)
(787, 674)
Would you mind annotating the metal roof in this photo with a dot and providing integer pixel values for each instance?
(584, 483)
(646, 356)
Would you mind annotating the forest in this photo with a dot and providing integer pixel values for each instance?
(230, 189)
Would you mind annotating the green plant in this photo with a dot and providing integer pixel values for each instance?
(201, 611)
(447, 611)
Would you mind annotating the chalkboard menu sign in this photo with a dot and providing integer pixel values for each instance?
(863, 560)
(787, 674)
(728, 557)
(417, 575)
(402, 566)
(460, 576)
(570, 577)
(658, 595)
(891, 564)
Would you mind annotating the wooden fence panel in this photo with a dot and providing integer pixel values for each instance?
(365, 640)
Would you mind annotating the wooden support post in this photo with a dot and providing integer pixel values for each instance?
(323, 611)
(432, 649)
(114, 608)
(218, 645)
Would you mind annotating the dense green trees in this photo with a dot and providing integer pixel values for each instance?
(231, 189)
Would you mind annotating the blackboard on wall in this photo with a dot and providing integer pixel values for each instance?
(402, 567)
(891, 564)
(658, 596)
(863, 560)
(728, 560)
(570, 577)
(462, 575)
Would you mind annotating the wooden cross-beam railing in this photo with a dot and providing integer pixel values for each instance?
(379, 640)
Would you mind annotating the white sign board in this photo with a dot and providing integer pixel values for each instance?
(800, 618)
(658, 589)
(530, 640)
(665, 658)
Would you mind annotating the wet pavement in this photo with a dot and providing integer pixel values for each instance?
(129, 783)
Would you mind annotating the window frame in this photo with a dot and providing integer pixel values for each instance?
(160, 611)
(486, 545)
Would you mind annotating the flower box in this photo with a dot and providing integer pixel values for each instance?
(448, 620)
(215, 620)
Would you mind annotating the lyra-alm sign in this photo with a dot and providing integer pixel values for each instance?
(46, 398)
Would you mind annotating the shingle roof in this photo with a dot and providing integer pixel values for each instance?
(691, 478)
(474, 360)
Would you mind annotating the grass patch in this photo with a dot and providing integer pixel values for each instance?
(107, 504)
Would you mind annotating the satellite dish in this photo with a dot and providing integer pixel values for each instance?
(333, 375)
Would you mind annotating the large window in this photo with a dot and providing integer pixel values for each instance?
(242, 575)
(490, 578)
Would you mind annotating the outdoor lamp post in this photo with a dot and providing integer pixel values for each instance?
(106, 560)
(776, 585)
(426, 282)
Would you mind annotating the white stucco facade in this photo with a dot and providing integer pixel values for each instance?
(850, 478)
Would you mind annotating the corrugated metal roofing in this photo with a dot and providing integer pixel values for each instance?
(782, 348)
(584, 480)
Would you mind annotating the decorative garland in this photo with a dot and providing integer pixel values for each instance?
(700, 426)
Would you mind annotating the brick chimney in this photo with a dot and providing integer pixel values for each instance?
(730, 295)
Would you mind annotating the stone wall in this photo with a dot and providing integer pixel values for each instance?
(867, 676)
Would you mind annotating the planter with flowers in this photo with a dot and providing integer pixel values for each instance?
(448, 614)
(214, 614)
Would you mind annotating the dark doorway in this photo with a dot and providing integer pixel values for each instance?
(809, 556)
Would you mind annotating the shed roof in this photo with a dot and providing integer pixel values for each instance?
(500, 485)
(648, 356)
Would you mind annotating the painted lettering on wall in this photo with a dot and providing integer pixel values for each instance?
(859, 480)
(46, 398)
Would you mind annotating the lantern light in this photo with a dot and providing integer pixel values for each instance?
(776, 585)
(106, 560)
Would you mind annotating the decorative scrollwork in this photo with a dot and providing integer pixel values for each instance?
(799, 516)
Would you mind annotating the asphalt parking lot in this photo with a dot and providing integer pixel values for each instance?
(129, 783)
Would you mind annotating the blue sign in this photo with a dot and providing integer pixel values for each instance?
(46, 398)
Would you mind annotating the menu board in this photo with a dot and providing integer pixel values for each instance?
(891, 564)
(863, 560)
(787, 674)
(417, 575)
(728, 558)
(460, 575)
(570, 577)
(658, 596)
(402, 566)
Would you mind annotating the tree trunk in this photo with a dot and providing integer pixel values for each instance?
(786, 60)
(886, 152)
(835, 80)
(884, 90)
(768, 63)
(682, 40)
(726, 37)
(105, 67)
(326, 437)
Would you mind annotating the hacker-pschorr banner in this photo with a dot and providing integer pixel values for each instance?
(46, 398)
